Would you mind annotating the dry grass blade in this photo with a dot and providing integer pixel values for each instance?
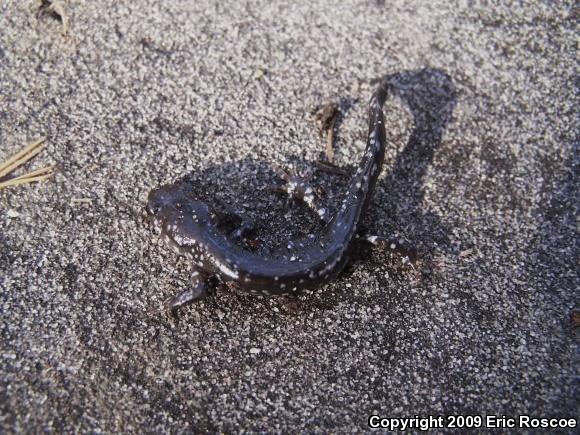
(23, 180)
(47, 170)
(21, 157)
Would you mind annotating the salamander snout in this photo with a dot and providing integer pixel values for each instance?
(165, 199)
(156, 201)
(173, 202)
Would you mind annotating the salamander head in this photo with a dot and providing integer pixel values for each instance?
(171, 205)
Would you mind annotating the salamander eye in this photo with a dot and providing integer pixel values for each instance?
(153, 207)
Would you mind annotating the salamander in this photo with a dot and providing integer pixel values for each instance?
(194, 228)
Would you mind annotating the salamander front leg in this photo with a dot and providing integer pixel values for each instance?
(196, 292)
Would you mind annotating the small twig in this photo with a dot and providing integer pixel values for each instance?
(326, 116)
(330, 167)
(56, 10)
(330, 140)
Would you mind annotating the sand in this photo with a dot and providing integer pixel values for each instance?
(481, 175)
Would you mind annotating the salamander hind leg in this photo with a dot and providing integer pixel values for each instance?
(299, 188)
(407, 252)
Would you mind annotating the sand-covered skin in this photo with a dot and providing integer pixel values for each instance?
(481, 175)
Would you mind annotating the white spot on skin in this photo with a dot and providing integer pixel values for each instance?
(227, 271)
(393, 246)
(372, 239)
